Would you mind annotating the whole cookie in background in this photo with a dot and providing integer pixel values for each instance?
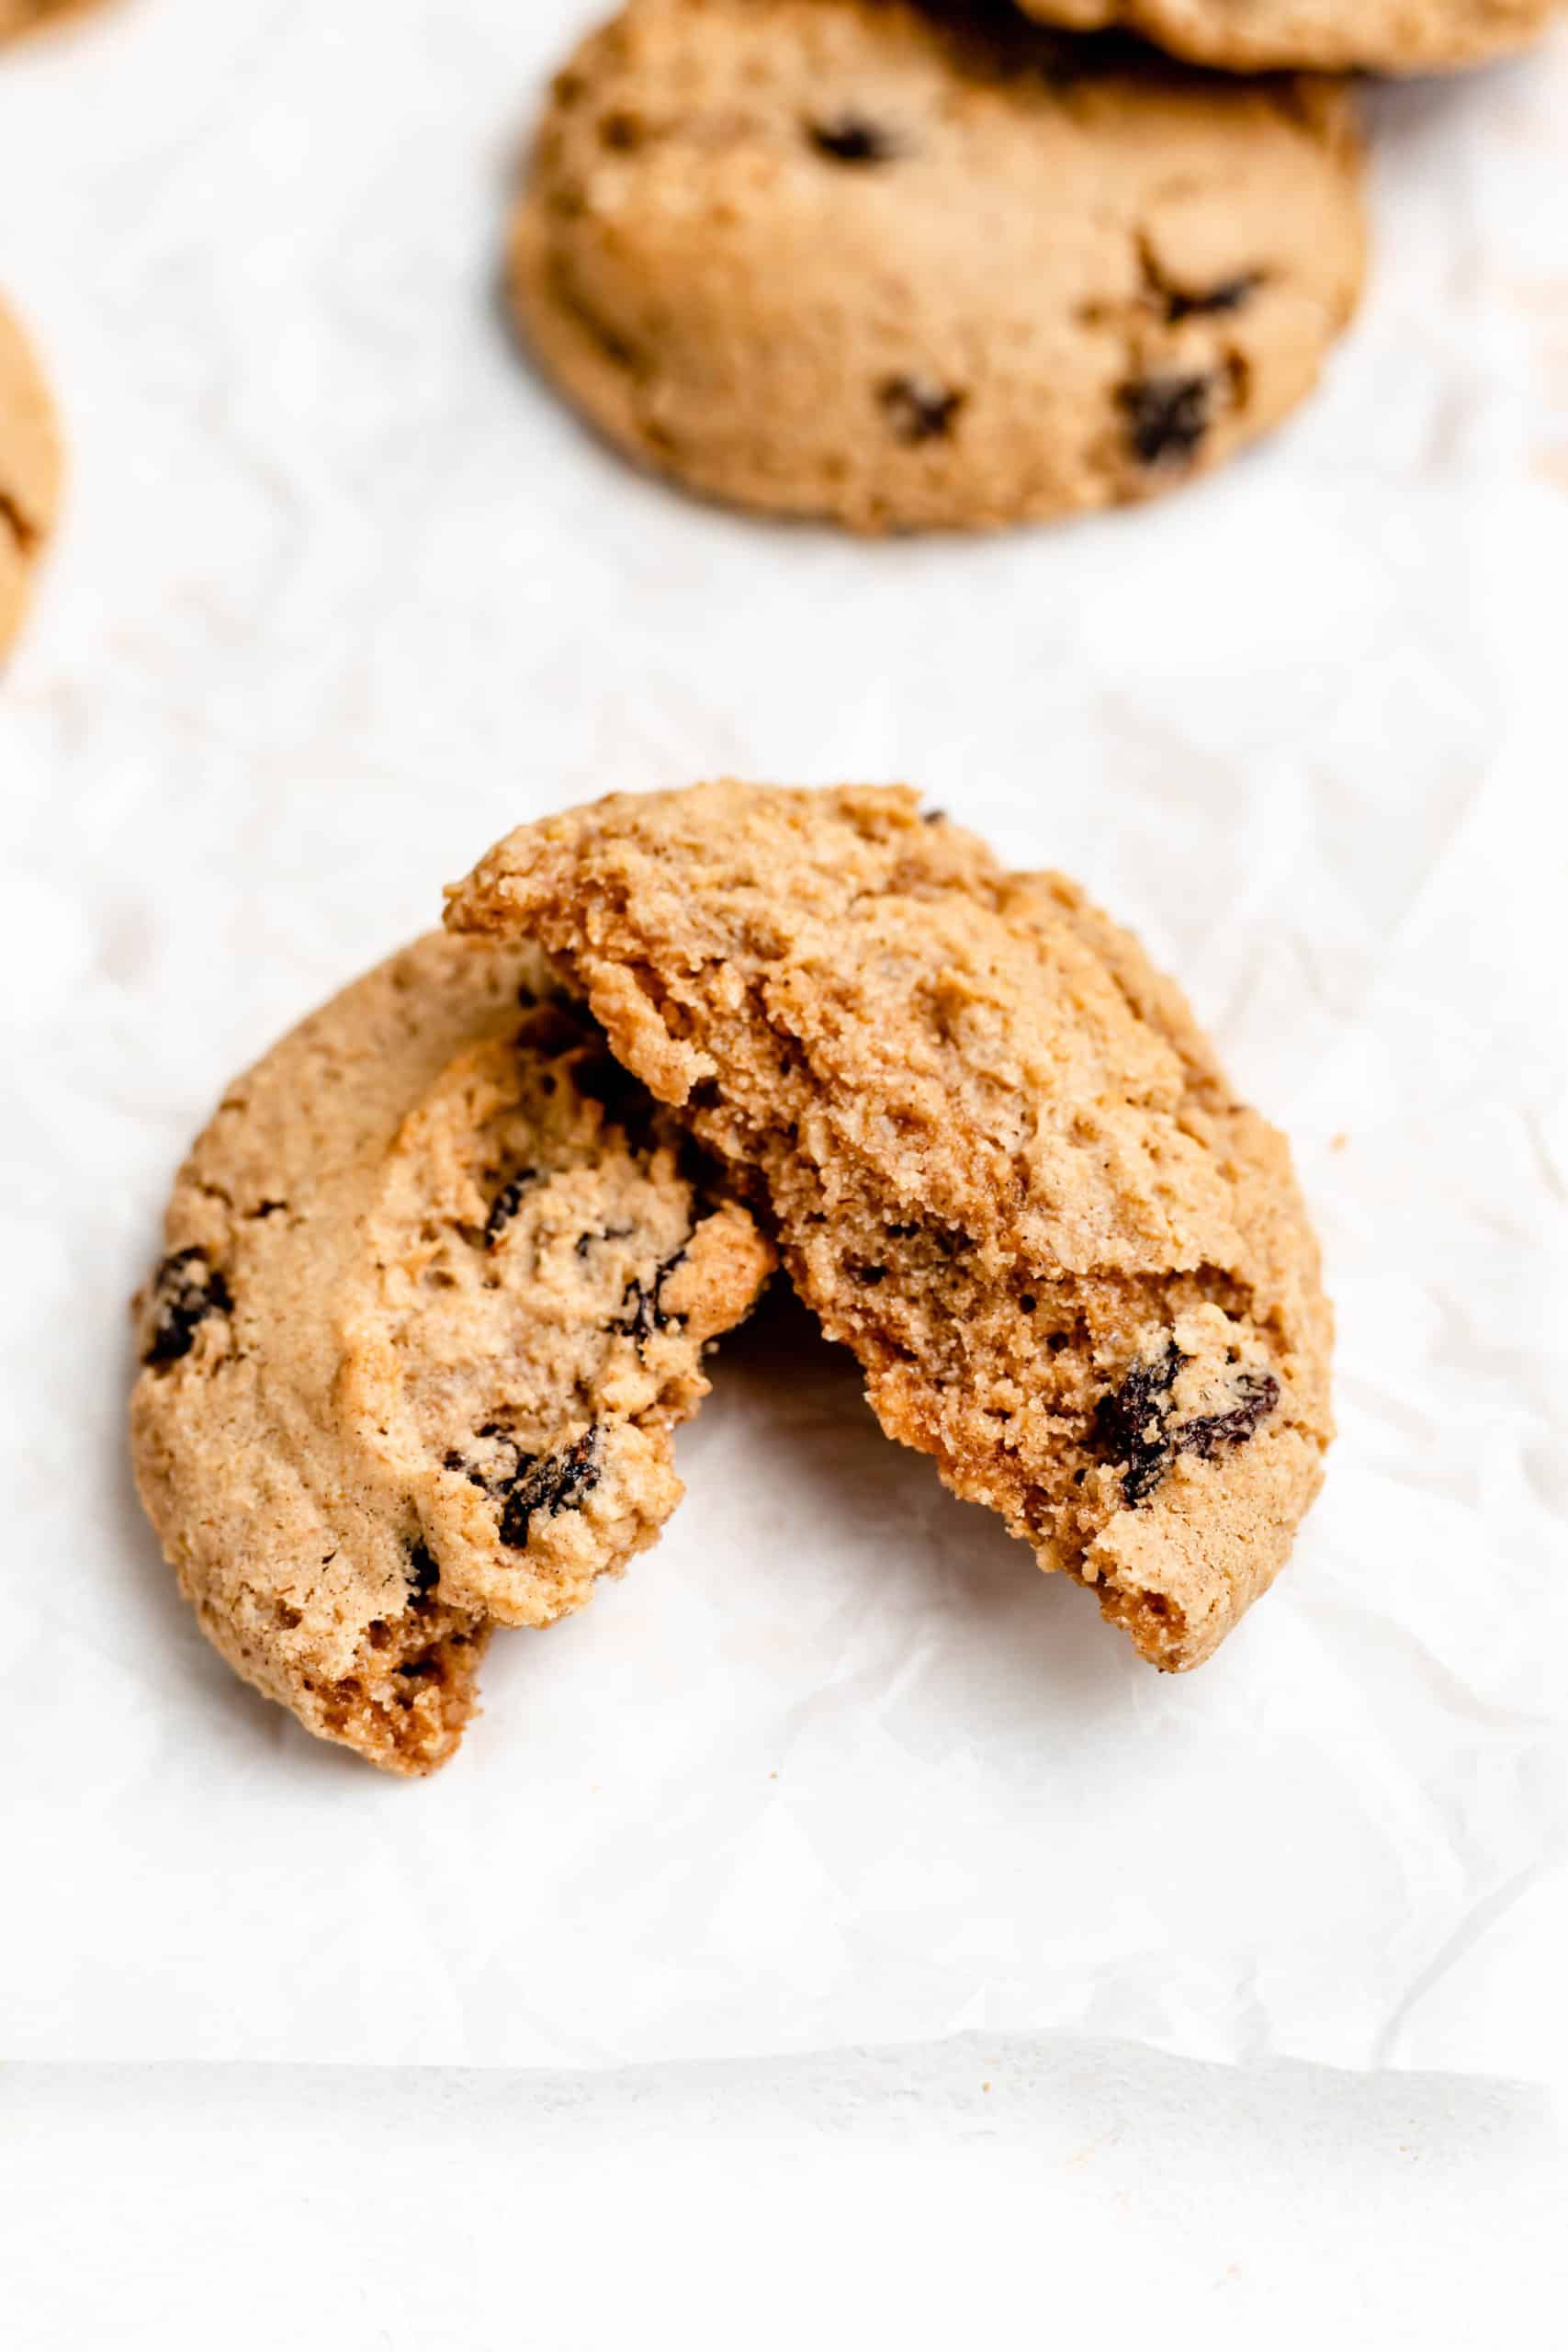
(1328, 35)
(436, 1288)
(30, 473)
(862, 259)
(1001, 1160)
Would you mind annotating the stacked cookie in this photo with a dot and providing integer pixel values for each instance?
(441, 1276)
(917, 263)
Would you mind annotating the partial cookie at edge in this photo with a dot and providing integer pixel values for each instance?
(20, 18)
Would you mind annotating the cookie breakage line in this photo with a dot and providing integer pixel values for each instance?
(1001, 1161)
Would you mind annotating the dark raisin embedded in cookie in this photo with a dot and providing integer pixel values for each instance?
(506, 1203)
(1216, 302)
(851, 138)
(1167, 417)
(587, 1242)
(622, 130)
(644, 1307)
(558, 1482)
(424, 1569)
(1135, 1425)
(919, 409)
(1132, 1425)
(186, 1289)
(1258, 1393)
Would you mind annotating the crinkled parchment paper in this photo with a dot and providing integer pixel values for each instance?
(341, 593)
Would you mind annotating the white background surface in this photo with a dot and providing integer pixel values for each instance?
(339, 595)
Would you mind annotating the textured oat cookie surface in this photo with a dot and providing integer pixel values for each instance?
(1259, 36)
(437, 1287)
(909, 267)
(1001, 1161)
(29, 472)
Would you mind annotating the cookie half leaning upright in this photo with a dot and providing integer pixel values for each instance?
(1334, 36)
(437, 1284)
(904, 267)
(1002, 1163)
(30, 473)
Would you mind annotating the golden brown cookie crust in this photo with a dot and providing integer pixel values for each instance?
(428, 1309)
(840, 258)
(30, 473)
(1001, 1161)
(1324, 36)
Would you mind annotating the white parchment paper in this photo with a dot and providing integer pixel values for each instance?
(339, 595)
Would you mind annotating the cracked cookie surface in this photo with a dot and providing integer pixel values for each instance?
(864, 260)
(437, 1284)
(1001, 1160)
(1334, 36)
(30, 473)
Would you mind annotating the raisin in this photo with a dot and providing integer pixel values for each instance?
(644, 1303)
(1167, 417)
(1258, 1394)
(505, 1465)
(424, 1569)
(1135, 1426)
(849, 139)
(506, 1205)
(918, 410)
(1132, 1423)
(1230, 294)
(186, 1290)
(585, 1241)
(558, 1482)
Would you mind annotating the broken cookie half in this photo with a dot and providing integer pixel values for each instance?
(1001, 1160)
(437, 1285)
